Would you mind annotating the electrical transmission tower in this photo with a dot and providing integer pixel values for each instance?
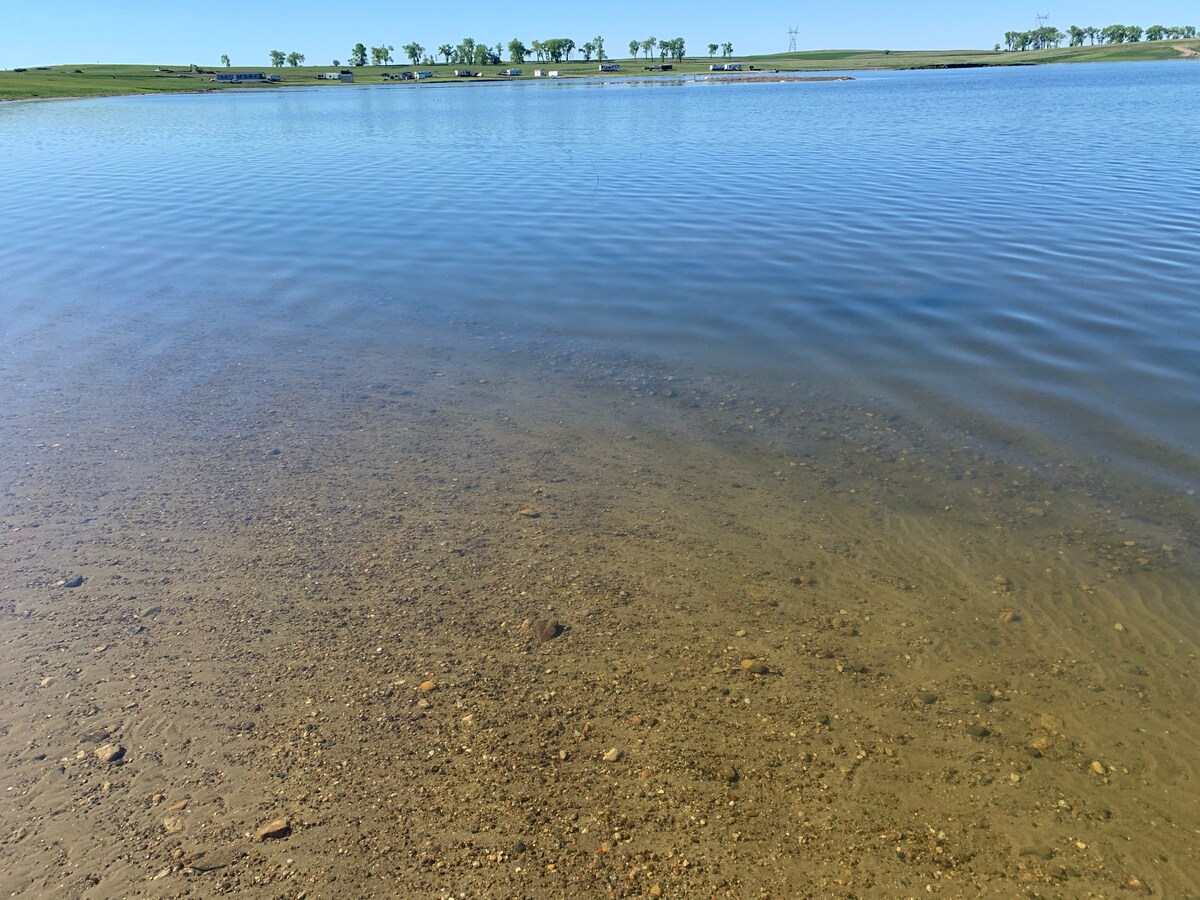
(1042, 20)
(792, 32)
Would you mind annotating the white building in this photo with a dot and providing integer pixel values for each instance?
(239, 77)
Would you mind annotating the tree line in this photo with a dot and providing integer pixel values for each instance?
(278, 58)
(1049, 36)
(471, 52)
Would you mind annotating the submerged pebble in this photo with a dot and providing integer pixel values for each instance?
(545, 629)
(273, 830)
(110, 753)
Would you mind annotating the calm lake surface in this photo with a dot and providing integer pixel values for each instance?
(843, 438)
(1023, 244)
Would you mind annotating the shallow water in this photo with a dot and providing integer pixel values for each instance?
(889, 385)
(1018, 242)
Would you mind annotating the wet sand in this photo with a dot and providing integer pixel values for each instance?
(836, 653)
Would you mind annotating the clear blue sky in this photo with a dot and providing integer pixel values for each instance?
(45, 32)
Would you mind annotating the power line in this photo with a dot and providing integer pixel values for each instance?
(792, 32)
(1042, 19)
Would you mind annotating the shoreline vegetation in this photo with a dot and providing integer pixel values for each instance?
(82, 81)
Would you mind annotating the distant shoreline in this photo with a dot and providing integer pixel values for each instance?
(77, 82)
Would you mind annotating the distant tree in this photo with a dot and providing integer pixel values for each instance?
(598, 44)
(1092, 33)
(295, 59)
(1156, 33)
(996, 49)
(1133, 33)
(634, 47)
(486, 56)
(1075, 36)
(444, 51)
(336, 63)
(225, 60)
(382, 55)
(587, 48)
(558, 49)
(358, 56)
(727, 50)
(414, 52)
(538, 49)
(1038, 39)
(465, 51)
(517, 51)
(672, 48)
(648, 46)
(278, 58)
(712, 50)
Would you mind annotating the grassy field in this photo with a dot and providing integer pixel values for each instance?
(100, 80)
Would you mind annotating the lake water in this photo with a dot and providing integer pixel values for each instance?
(891, 383)
(1021, 243)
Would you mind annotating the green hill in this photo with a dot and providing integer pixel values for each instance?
(48, 82)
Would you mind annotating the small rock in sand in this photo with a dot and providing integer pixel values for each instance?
(428, 685)
(215, 859)
(110, 753)
(272, 830)
(545, 629)
(72, 581)
(755, 667)
(529, 513)
(613, 755)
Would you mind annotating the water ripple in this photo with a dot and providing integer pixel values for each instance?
(983, 236)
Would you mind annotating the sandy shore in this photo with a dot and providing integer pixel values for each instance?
(808, 648)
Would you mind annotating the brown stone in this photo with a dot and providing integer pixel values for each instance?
(215, 859)
(279, 828)
(545, 629)
(110, 753)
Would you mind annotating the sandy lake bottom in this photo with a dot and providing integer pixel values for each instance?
(806, 645)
